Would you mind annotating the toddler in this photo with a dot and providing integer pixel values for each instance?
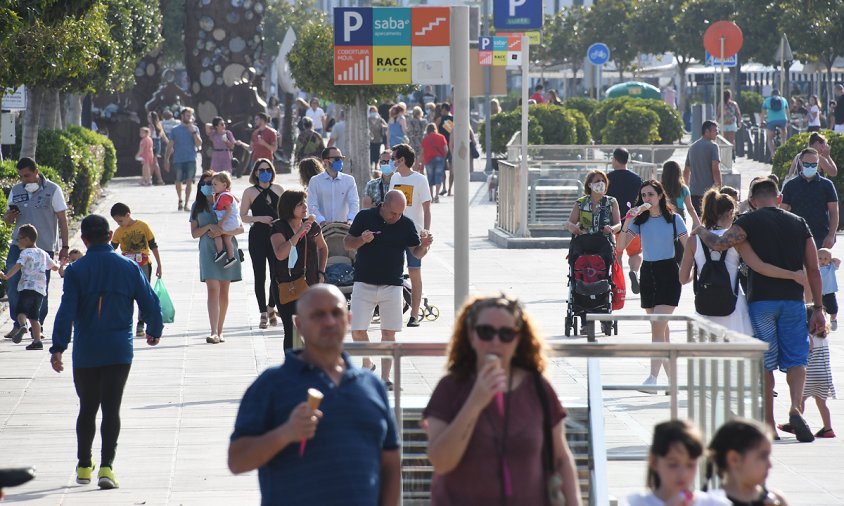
(146, 156)
(672, 468)
(740, 451)
(32, 264)
(828, 265)
(227, 209)
(72, 256)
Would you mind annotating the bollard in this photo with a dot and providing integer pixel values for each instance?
(750, 143)
(740, 134)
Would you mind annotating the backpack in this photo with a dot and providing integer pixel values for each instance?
(590, 269)
(714, 294)
(776, 104)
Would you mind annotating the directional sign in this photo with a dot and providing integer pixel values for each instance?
(598, 53)
(711, 61)
(517, 14)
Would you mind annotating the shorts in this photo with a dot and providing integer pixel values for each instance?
(775, 123)
(659, 284)
(374, 152)
(830, 303)
(29, 304)
(813, 128)
(782, 324)
(732, 127)
(435, 170)
(412, 261)
(389, 300)
(634, 247)
(184, 171)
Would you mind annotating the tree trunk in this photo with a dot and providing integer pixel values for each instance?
(29, 135)
(49, 110)
(72, 110)
(287, 128)
(681, 100)
(357, 132)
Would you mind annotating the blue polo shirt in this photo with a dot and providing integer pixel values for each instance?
(809, 199)
(184, 149)
(342, 463)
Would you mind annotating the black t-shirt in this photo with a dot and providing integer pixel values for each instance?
(624, 187)
(810, 200)
(446, 126)
(779, 238)
(838, 112)
(381, 262)
(281, 273)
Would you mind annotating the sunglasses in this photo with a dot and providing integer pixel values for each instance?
(810, 165)
(383, 162)
(206, 183)
(265, 169)
(505, 334)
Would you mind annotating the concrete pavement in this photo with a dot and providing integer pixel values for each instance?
(182, 396)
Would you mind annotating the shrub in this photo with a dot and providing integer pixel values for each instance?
(670, 122)
(558, 124)
(584, 132)
(632, 124)
(110, 154)
(669, 126)
(583, 104)
(504, 125)
(606, 109)
(750, 102)
(79, 160)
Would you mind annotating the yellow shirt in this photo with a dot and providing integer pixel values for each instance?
(133, 239)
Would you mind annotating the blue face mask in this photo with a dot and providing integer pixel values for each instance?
(265, 177)
(206, 190)
(387, 170)
(810, 170)
(337, 165)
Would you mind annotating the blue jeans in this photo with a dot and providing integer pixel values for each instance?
(12, 286)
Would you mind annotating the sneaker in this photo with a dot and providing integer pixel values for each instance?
(220, 256)
(83, 474)
(17, 334)
(825, 433)
(221, 339)
(833, 325)
(11, 333)
(107, 480)
(801, 428)
(229, 263)
(139, 330)
(413, 322)
(634, 282)
(649, 381)
(37, 345)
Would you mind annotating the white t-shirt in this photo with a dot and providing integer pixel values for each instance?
(316, 116)
(649, 499)
(816, 112)
(417, 192)
(34, 263)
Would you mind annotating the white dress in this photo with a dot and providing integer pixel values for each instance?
(739, 320)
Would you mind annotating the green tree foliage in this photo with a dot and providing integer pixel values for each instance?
(173, 31)
(504, 125)
(559, 126)
(583, 104)
(761, 26)
(750, 102)
(609, 21)
(281, 15)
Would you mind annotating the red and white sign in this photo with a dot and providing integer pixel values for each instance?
(352, 65)
(431, 26)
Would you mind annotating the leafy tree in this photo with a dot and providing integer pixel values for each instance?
(608, 21)
(564, 37)
(312, 65)
(173, 30)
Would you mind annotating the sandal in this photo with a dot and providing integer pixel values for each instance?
(273, 315)
(181, 205)
(263, 322)
(825, 433)
(786, 427)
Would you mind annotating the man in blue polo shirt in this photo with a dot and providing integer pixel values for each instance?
(813, 198)
(352, 451)
(184, 141)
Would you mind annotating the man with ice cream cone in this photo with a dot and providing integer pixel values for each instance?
(348, 439)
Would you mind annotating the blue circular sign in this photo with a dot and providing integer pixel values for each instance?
(598, 53)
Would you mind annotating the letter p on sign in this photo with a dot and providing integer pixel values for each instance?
(352, 21)
(515, 4)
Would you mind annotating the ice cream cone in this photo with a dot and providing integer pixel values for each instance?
(314, 398)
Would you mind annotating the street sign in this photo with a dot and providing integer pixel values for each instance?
(392, 45)
(517, 14)
(711, 61)
(723, 31)
(598, 53)
(14, 100)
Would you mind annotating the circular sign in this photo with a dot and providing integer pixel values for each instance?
(598, 53)
(731, 34)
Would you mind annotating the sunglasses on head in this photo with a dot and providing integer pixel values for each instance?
(487, 332)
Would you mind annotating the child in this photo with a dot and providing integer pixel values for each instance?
(672, 468)
(828, 266)
(72, 256)
(146, 156)
(135, 240)
(227, 209)
(33, 264)
(741, 454)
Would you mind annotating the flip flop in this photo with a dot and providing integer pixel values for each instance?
(786, 427)
(801, 428)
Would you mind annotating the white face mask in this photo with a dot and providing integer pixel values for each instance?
(599, 187)
(31, 187)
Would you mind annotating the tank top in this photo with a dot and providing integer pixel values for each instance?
(265, 204)
(396, 134)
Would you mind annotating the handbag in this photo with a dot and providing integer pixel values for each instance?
(290, 291)
(554, 481)
(678, 246)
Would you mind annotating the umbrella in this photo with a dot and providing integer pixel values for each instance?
(635, 89)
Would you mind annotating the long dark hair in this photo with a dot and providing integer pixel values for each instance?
(738, 435)
(672, 179)
(200, 201)
(668, 434)
(665, 207)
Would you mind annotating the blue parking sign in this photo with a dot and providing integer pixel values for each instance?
(517, 15)
(353, 26)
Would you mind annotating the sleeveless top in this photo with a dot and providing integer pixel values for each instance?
(593, 220)
(396, 134)
(265, 204)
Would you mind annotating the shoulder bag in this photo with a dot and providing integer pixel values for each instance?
(290, 291)
(553, 480)
(678, 246)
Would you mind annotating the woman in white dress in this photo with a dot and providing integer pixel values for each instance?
(718, 212)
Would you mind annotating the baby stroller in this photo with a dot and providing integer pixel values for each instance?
(590, 281)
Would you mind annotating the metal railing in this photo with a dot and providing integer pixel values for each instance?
(723, 377)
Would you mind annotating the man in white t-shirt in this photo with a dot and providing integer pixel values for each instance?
(318, 116)
(418, 194)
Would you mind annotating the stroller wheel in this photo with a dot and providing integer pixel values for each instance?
(568, 325)
(432, 313)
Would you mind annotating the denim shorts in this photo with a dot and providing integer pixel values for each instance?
(185, 171)
(782, 324)
(412, 261)
(775, 123)
(435, 169)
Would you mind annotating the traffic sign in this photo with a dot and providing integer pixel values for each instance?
(517, 14)
(598, 53)
(14, 99)
(727, 31)
(711, 61)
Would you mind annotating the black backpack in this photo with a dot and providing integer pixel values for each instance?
(714, 294)
(776, 104)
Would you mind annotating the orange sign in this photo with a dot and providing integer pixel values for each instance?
(431, 26)
(727, 31)
(353, 65)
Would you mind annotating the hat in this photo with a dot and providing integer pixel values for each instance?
(775, 92)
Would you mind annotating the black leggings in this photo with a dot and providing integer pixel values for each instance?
(262, 255)
(286, 312)
(99, 386)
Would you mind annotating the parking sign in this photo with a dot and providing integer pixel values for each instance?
(517, 15)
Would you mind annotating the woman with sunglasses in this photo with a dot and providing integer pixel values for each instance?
(486, 419)
(261, 201)
(659, 286)
(203, 226)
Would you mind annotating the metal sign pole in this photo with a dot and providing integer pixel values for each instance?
(523, 166)
(722, 80)
(460, 156)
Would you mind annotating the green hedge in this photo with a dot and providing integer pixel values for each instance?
(632, 124)
(504, 125)
(558, 124)
(750, 102)
(547, 124)
(793, 146)
(94, 139)
(583, 104)
(669, 122)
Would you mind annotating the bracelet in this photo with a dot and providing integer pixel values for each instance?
(816, 306)
(64, 247)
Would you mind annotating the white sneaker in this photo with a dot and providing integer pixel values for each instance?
(649, 381)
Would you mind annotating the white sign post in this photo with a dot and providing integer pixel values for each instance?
(460, 157)
(523, 165)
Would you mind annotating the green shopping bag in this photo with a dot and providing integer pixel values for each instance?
(168, 312)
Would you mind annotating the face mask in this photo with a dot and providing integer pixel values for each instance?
(265, 177)
(337, 165)
(32, 187)
(206, 190)
(387, 170)
(598, 187)
(810, 170)
(373, 114)
(293, 257)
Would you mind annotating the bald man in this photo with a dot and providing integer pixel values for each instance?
(381, 236)
(354, 419)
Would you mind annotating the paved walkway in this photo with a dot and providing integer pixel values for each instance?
(182, 396)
